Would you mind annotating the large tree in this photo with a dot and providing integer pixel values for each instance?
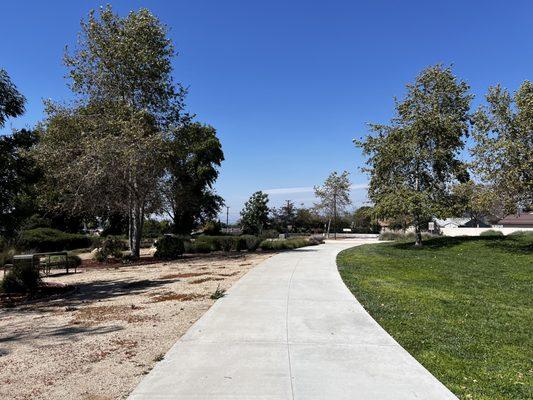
(413, 161)
(503, 154)
(18, 178)
(254, 215)
(334, 197)
(194, 156)
(106, 153)
(11, 101)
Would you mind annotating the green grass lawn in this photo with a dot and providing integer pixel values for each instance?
(463, 307)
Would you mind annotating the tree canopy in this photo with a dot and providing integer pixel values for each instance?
(414, 160)
(334, 196)
(11, 101)
(194, 156)
(114, 136)
(254, 215)
(503, 153)
(18, 177)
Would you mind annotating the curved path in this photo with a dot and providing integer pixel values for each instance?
(290, 329)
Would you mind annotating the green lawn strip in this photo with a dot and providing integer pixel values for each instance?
(461, 306)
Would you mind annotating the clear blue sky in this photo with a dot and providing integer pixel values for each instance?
(287, 84)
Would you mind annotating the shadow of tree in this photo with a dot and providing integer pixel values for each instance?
(108, 289)
(68, 332)
(511, 243)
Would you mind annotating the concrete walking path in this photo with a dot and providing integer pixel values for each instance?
(290, 329)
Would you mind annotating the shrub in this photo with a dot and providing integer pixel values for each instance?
(218, 243)
(48, 239)
(269, 234)
(22, 278)
(169, 247)
(396, 235)
(491, 232)
(110, 246)
(201, 247)
(213, 242)
(250, 242)
(284, 244)
(6, 255)
(316, 240)
(74, 261)
(391, 235)
(521, 233)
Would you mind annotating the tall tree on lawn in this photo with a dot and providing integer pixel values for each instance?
(503, 154)
(413, 161)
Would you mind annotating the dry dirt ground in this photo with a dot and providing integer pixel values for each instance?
(98, 342)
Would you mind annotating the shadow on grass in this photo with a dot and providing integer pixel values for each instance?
(512, 243)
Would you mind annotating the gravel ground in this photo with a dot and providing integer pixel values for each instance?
(97, 343)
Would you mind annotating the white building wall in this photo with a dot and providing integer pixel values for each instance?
(477, 231)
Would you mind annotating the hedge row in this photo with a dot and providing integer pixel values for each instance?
(48, 239)
(225, 243)
(286, 244)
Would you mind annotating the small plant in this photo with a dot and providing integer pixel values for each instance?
(73, 261)
(159, 357)
(219, 293)
(21, 278)
(492, 232)
(169, 247)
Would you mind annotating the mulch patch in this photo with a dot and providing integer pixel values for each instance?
(202, 280)
(184, 275)
(170, 296)
(92, 264)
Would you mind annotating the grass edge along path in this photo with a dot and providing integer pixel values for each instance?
(461, 306)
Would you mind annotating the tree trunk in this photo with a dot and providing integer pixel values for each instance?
(335, 216)
(136, 223)
(418, 232)
(329, 225)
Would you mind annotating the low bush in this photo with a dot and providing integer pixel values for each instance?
(316, 240)
(396, 235)
(250, 242)
(286, 244)
(391, 235)
(48, 239)
(21, 278)
(227, 243)
(200, 247)
(74, 261)
(169, 247)
(491, 232)
(110, 246)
